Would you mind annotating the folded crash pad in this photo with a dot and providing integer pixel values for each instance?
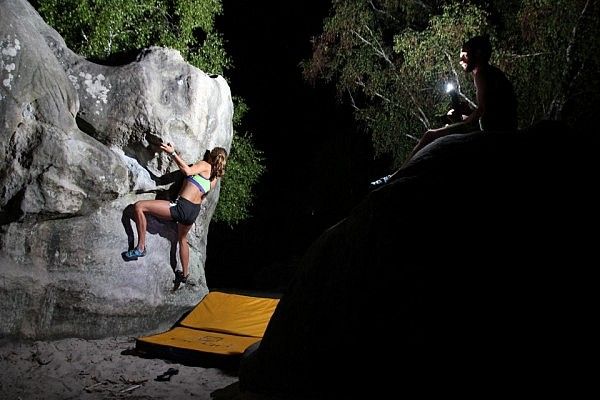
(221, 324)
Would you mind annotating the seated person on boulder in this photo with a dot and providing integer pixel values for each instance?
(496, 101)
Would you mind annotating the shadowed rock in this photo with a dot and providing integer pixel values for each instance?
(78, 146)
(468, 271)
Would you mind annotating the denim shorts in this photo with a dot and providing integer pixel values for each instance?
(184, 211)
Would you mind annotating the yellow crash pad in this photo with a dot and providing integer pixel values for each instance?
(201, 341)
(232, 313)
(221, 324)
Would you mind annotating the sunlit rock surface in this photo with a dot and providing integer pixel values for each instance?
(470, 272)
(78, 145)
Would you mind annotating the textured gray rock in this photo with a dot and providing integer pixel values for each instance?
(467, 272)
(78, 146)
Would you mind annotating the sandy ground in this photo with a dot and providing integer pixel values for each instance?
(98, 369)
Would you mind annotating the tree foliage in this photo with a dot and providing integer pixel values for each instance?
(556, 61)
(246, 165)
(106, 30)
(391, 58)
(101, 29)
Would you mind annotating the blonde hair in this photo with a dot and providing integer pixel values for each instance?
(217, 160)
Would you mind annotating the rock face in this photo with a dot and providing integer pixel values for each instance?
(469, 271)
(78, 146)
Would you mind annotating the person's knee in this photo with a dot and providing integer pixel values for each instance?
(138, 207)
(428, 137)
(436, 134)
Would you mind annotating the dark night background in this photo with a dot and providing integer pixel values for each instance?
(318, 162)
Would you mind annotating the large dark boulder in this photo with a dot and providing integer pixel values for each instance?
(471, 269)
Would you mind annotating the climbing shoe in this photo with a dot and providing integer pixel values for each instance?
(179, 279)
(134, 254)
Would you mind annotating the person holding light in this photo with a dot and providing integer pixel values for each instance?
(496, 108)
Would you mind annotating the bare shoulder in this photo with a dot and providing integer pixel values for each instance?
(202, 163)
(482, 78)
(200, 167)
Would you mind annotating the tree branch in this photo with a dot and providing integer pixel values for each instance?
(378, 49)
(540, 53)
(419, 113)
(571, 72)
(380, 11)
(353, 103)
